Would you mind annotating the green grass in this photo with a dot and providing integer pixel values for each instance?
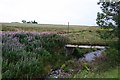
(111, 73)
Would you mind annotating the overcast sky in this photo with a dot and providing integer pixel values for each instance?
(79, 12)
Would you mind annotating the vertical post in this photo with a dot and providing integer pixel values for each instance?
(68, 27)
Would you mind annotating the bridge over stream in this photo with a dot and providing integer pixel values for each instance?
(70, 48)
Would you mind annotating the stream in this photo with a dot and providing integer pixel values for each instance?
(92, 55)
(88, 57)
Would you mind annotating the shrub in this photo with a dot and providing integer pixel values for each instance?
(54, 41)
(113, 55)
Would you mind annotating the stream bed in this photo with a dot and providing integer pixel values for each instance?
(88, 57)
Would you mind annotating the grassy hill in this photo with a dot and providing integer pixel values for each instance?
(77, 34)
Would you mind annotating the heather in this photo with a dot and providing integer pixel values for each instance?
(31, 54)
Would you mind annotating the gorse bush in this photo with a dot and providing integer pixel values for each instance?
(31, 55)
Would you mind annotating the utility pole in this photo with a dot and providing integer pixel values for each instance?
(68, 27)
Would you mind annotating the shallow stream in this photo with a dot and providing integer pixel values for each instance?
(92, 55)
(88, 57)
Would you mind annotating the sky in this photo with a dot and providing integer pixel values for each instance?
(76, 12)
